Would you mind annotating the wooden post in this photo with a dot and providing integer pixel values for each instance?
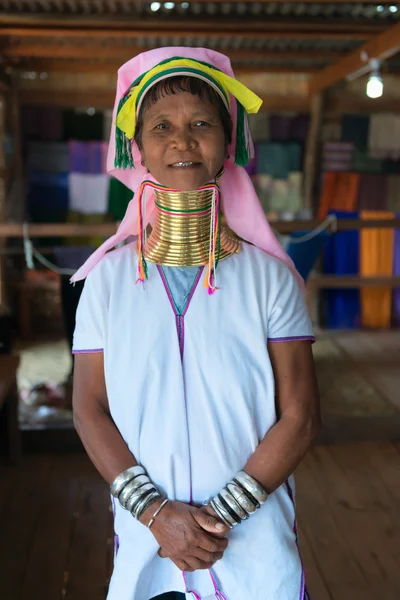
(311, 154)
(3, 191)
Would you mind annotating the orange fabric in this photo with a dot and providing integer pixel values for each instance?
(376, 258)
(340, 192)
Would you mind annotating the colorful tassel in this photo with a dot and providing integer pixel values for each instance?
(242, 144)
(215, 243)
(142, 264)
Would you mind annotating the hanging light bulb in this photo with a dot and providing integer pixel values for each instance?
(375, 83)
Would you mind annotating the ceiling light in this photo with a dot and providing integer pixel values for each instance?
(380, 8)
(169, 5)
(185, 5)
(375, 83)
(91, 111)
(155, 6)
(393, 9)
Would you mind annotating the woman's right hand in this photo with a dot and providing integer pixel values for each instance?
(188, 536)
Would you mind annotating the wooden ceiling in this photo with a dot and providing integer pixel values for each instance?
(263, 36)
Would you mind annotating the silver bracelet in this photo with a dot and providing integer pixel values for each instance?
(142, 503)
(125, 477)
(136, 496)
(252, 486)
(239, 499)
(159, 509)
(129, 489)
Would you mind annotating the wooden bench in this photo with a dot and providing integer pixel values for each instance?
(9, 404)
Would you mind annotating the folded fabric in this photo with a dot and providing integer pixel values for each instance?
(278, 160)
(88, 194)
(372, 192)
(71, 257)
(337, 156)
(305, 254)
(50, 157)
(42, 123)
(355, 129)
(81, 126)
(341, 307)
(396, 271)
(376, 258)
(119, 197)
(393, 193)
(87, 157)
(384, 136)
(339, 193)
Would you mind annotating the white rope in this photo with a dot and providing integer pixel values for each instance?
(31, 253)
(329, 223)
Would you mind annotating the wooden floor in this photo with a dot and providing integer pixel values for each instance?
(56, 526)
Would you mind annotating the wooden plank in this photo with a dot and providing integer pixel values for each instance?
(15, 230)
(357, 522)
(311, 153)
(352, 281)
(377, 356)
(87, 567)
(377, 516)
(190, 30)
(341, 572)
(383, 46)
(53, 533)
(19, 523)
(314, 579)
(385, 461)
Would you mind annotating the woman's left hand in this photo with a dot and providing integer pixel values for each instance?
(210, 511)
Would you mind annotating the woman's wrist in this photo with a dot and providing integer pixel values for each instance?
(135, 491)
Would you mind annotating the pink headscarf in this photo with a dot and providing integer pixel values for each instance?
(240, 205)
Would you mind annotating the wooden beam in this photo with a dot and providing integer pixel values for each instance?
(382, 47)
(15, 230)
(131, 34)
(352, 281)
(3, 195)
(124, 53)
(311, 154)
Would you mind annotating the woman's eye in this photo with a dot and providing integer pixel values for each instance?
(161, 126)
(201, 124)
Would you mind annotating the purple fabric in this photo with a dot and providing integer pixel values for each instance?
(372, 192)
(87, 157)
(71, 257)
(283, 128)
(42, 123)
(396, 271)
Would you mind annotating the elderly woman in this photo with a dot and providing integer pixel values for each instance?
(194, 390)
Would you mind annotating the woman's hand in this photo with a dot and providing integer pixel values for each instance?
(191, 537)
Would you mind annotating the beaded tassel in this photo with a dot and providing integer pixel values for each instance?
(210, 281)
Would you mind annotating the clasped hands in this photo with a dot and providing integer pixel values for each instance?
(193, 538)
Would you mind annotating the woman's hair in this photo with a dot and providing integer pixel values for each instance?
(193, 86)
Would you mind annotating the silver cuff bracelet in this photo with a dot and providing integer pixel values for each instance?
(252, 486)
(125, 477)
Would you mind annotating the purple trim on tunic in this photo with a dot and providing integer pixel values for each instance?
(180, 328)
(303, 591)
(299, 338)
(94, 351)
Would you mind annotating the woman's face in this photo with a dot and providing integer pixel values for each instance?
(183, 142)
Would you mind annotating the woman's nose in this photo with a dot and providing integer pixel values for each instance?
(183, 140)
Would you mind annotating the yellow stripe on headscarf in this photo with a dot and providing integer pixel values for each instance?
(126, 118)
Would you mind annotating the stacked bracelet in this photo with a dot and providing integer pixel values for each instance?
(240, 498)
(134, 490)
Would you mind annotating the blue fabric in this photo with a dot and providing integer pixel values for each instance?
(306, 254)
(355, 129)
(342, 257)
(278, 159)
(180, 282)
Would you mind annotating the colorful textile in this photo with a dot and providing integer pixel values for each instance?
(278, 159)
(355, 129)
(50, 157)
(396, 271)
(245, 218)
(305, 254)
(337, 156)
(341, 257)
(384, 136)
(119, 197)
(87, 157)
(339, 193)
(283, 128)
(88, 194)
(82, 126)
(376, 258)
(393, 193)
(372, 192)
(42, 123)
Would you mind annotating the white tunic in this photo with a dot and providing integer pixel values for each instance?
(192, 414)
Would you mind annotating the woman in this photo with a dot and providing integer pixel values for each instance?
(183, 397)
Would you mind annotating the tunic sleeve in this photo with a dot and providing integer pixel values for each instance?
(91, 315)
(288, 317)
